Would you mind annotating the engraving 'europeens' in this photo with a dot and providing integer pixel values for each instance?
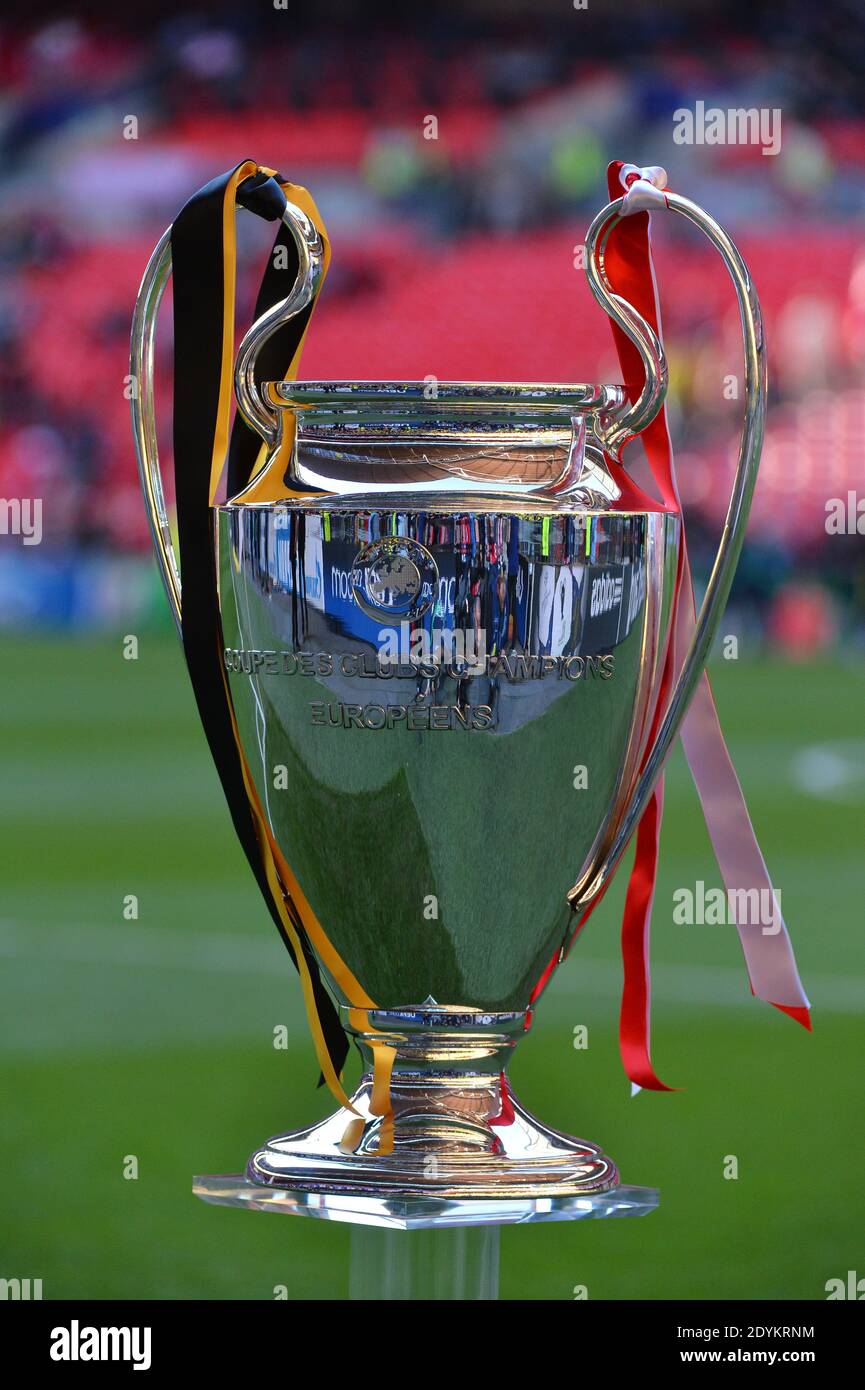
(514, 666)
(414, 717)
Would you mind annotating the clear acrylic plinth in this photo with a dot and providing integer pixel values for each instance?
(405, 1213)
(438, 1264)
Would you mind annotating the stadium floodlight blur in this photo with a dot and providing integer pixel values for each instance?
(448, 158)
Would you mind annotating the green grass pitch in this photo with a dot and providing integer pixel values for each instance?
(154, 1038)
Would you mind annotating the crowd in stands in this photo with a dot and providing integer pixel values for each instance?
(457, 171)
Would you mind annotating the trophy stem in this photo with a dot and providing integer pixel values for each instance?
(436, 1264)
(454, 1129)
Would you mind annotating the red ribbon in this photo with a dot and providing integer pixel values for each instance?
(768, 954)
(628, 264)
(629, 269)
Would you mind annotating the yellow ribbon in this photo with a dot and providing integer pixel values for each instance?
(267, 485)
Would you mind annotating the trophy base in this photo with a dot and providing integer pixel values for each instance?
(421, 1213)
(451, 1138)
(455, 1148)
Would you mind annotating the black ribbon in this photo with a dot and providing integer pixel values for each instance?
(197, 266)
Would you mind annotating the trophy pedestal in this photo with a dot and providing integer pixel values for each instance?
(454, 1157)
(415, 1248)
(451, 1157)
(421, 1213)
(450, 1128)
(450, 1137)
(452, 1146)
(456, 1150)
(423, 1248)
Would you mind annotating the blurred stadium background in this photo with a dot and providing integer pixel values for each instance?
(452, 257)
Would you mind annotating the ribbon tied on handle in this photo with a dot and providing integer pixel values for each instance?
(769, 958)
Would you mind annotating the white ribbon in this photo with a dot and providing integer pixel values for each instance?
(645, 191)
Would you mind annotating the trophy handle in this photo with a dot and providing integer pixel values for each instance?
(733, 534)
(311, 265)
(266, 422)
(153, 284)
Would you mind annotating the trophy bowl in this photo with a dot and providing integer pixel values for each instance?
(444, 613)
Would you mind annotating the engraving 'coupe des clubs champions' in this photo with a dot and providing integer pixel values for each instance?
(473, 578)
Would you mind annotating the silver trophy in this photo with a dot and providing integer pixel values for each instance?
(445, 608)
